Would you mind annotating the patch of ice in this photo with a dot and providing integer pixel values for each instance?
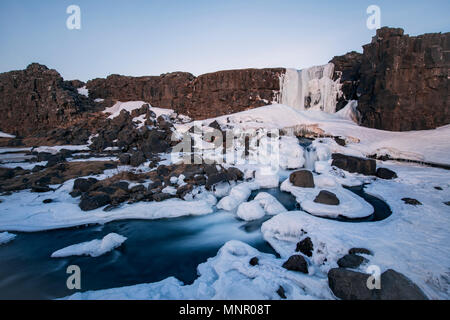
(83, 91)
(92, 248)
(6, 135)
(6, 237)
(269, 203)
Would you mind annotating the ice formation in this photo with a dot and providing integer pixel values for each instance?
(92, 248)
(6, 237)
(311, 88)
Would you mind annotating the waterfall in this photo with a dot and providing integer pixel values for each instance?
(310, 155)
(311, 88)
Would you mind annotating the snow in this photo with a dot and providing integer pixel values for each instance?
(238, 195)
(6, 135)
(226, 276)
(266, 178)
(6, 237)
(413, 240)
(133, 105)
(94, 248)
(83, 91)
(23, 210)
(269, 203)
(250, 211)
(425, 145)
(56, 149)
(350, 206)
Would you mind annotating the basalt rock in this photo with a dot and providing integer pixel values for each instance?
(327, 197)
(206, 96)
(354, 164)
(401, 82)
(302, 178)
(37, 99)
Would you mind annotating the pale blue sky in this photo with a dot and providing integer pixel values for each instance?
(148, 37)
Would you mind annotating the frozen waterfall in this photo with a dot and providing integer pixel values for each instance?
(311, 88)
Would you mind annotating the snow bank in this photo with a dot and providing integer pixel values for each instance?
(226, 276)
(269, 203)
(350, 206)
(414, 240)
(92, 248)
(426, 145)
(56, 149)
(238, 195)
(6, 135)
(250, 211)
(132, 105)
(6, 237)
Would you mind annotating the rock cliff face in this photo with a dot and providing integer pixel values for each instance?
(401, 82)
(37, 99)
(208, 95)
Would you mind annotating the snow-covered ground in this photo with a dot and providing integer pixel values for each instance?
(414, 240)
(426, 145)
(94, 248)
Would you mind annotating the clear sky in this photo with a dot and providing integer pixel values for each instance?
(146, 37)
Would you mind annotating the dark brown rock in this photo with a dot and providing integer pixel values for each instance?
(401, 82)
(351, 261)
(296, 263)
(305, 246)
(412, 201)
(254, 261)
(354, 164)
(91, 202)
(385, 173)
(351, 285)
(37, 99)
(327, 197)
(302, 178)
(360, 250)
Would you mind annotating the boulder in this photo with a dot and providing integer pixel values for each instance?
(412, 201)
(305, 246)
(83, 185)
(137, 158)
(354, 164)
(360, 251)
(327, 197)
(124, 158)
(296, 263)
(385, 173)
(351, 285)
(395, 286)
(351, 261)
(254, 261)
(302, 178)
(91, 202)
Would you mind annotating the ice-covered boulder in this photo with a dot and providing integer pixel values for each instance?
(92, 248)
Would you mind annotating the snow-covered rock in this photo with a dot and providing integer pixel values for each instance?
(251, 210)
(92, 248)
